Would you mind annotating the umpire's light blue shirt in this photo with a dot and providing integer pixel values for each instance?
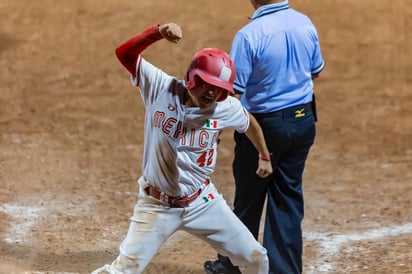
(275, 56)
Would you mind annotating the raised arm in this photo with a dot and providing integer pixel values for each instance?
(128, 51)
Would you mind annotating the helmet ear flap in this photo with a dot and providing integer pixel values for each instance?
(192, 79)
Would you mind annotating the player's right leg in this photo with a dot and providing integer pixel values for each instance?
(150, 226)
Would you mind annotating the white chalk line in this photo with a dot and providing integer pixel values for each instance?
(331, 244)
(50, 272)
(25, 217)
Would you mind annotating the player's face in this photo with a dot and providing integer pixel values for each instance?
(205, 95)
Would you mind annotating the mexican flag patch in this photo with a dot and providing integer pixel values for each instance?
(210, 123)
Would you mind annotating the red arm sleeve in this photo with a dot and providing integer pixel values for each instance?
(129, 51)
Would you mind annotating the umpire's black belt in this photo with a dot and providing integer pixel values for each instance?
(298, 111)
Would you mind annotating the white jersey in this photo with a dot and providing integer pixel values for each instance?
(180, 144)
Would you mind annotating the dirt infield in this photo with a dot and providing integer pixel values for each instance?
(71, 132)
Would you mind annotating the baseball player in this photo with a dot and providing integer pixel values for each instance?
(182, 124)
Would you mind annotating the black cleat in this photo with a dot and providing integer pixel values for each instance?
(216, 267)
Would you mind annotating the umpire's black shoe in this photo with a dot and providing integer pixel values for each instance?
(216, 267)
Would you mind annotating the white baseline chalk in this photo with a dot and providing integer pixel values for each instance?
(331, 244)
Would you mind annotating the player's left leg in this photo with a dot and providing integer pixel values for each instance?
(213, 221)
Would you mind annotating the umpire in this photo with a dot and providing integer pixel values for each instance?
(277, 55)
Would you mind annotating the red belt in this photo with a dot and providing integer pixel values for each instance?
(173, 201)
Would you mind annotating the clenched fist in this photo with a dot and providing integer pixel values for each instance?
(171, 32)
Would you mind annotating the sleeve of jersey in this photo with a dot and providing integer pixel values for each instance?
(237, 116)
(152, 81)
(241, 55)
(317, 59)
(129, 51)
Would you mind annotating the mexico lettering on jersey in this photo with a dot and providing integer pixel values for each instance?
(180, 147)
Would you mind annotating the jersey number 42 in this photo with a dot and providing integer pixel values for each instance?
(206, 159)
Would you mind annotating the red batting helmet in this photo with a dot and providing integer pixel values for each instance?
(213, 66)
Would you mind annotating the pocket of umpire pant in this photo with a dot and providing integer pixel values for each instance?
(315, 113)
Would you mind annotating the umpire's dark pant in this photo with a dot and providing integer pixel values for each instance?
(289, 135)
